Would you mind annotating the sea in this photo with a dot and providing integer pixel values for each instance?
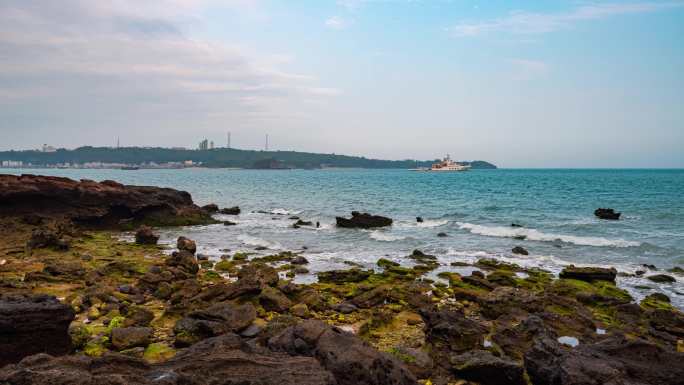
(554, 207)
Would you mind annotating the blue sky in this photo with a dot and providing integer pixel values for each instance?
(522, 84)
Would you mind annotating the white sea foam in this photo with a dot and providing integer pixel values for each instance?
(536, 235)
(432, 223)
(386, 237)
(280, 211)
(256, 241)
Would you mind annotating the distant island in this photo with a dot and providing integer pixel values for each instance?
(145, 157)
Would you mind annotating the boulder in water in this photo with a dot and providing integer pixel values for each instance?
(662, 278)
(363, 221)
(520, 250)
(609, 214)
(235, 210)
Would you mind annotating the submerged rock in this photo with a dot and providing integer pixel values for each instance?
(607, 214)
(31, 324)
(661, 278)
(363, 221)
(520, 250)
(589, 273)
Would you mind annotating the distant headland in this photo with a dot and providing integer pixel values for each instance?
(157, 157)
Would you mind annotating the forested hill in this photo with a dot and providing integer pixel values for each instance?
(220, 157)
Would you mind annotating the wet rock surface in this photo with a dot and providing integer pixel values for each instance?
(589, 273)
(363, 221)
(608, 214)
(96, 204)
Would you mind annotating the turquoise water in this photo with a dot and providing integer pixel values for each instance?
(474, 208)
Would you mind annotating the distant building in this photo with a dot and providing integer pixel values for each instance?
(47, 148)
(211, 145)
(204, 145)
(188, 163)
(12, 163)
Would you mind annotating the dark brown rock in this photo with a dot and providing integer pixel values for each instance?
(520, 250)
(363, 221)
(185, 244)
(145, 236)
(92, 204)
(450, 331)
(589, 273)
(210, 208)
(341, 276)
(486, 369)
(609, 214)
(31, 324)
(214, 320)
(183, 260)
(224, 359)
(235, 210)
(351, 360)
(615, 360)
(661, 278)
(130, 337)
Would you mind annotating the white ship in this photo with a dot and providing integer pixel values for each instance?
(445, 164)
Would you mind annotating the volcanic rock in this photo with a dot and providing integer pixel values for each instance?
(235, 210)
(341, 276)
(520, 250)
(607, 214)
(92, 204)
(185, 244)
(210, 208)
(217, 319)
(225, 359)
(589, 273)
(486, 369)
(351, 360)
(615, 360)
(32, 324)
(126, 338)
(661, 278)
(145, 236)
(363, 221)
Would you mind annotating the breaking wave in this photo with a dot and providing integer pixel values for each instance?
(382, 236)
(536, 235)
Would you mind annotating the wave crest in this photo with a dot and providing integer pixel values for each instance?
(385, 237)
(536, 235)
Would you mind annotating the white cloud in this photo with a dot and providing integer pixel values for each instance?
(521, 22)
(336, 22)
(526, 69)
(75, 62)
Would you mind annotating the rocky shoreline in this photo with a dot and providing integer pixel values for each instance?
(80, 306)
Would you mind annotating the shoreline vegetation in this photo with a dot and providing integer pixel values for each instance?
(79, 305)
(106, 157)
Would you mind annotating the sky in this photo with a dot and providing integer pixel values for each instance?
(518, 83)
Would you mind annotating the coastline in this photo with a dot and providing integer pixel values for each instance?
(162, 308)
